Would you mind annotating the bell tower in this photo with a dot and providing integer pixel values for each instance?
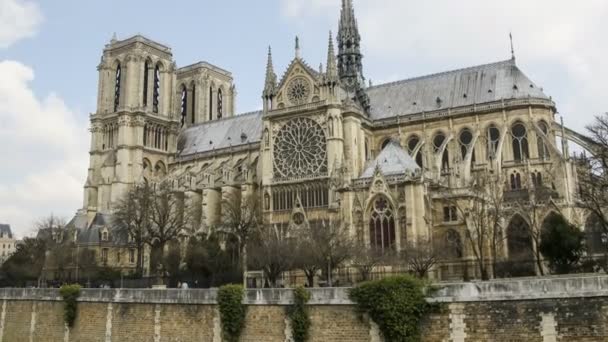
(133, 131)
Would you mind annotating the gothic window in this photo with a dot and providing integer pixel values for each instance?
(412, 144)
(132, 256)
(493, 140)
(543, 151)
(210, 103)
(382, 225)
(466, 143)
(519, 242)
(298, 91)
(104, 236)
(184, 105)
(438, 142)
(385, 143)
(156, 99)
(117, 84)
(299, 149)
(537, 179)
(515, 181)
(145, 135)
(193, 104)
(146, 79)
(220, 104)
(595, 235)
(453, 244)
(520, 141)
(450, 214)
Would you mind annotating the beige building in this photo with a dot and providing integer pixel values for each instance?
(8, 243)
(390, 161)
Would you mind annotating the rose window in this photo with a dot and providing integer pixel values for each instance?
(299, 149)
(298, 91)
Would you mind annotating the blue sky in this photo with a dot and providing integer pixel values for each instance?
(49, 51)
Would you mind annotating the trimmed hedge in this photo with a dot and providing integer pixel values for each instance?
(232, 311)
(298, 314)
(396, 304)
(70, 294)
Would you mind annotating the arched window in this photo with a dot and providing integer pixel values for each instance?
(412, 144)
(466, 143)
(184, 105)
(543, 151)
(493, 141)
(520, 142)
(146, 80)
(193, 104)
(516, 181)
(210, 103)
(595, 235)
(537, 179)
(452, 244)
(156, 99)
(366, 149)
(519, 241)
(381, 225)
(438, 142)
(117, 84)
(220, 104)
(384, 143)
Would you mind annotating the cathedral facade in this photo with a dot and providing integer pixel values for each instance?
(387, 161)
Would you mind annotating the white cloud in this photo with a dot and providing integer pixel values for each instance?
(559, 44)
(18, 19)
(43, 149)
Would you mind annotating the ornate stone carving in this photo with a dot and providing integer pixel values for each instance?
(300, 149)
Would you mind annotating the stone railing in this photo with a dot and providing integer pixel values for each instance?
(497, 290)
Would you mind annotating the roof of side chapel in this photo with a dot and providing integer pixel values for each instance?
(392, 160)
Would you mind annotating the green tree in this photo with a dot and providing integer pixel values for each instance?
(26, 263)
(562, 244)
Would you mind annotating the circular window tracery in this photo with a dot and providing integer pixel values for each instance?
(298, 91)
(299, 149)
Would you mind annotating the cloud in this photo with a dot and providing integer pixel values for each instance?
(18, 19)
(44, 152)
(559, 44)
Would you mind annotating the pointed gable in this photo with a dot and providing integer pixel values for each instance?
(392, 160)
(299, 85)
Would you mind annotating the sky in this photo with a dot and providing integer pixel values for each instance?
(49, 50)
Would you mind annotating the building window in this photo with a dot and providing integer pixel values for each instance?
(220, 104)
(184, 106)
(450, 213)
(104, 255)
(438, 142)
(210, 103)
(493, 141)
(453, 245)
(520, 142)
(515, 181)
(193, 104)
(104, 236)
(146, 80)
(537, 179)
(132, 256)
(156, 99)
(543, 151)
(466, 144)
(117, 84)
(412, 144)
(382, 226)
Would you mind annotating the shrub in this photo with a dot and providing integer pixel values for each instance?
(232, 311)
(396, 304)
(562, 244)
(70, 294)
(298, 314)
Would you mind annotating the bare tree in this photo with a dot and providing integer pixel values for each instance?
(325, 245)
(133, 215)
(241, 219)
(169, 215)
(421, 256)
(482, 209)
(365, 259)
(272, 251)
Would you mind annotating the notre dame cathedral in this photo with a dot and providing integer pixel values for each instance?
(388, 160)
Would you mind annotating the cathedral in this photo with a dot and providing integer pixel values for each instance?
(388, 161)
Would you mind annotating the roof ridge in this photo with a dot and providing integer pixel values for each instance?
(224, 119)
(417, 78)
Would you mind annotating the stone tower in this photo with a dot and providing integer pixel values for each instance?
(133, 131)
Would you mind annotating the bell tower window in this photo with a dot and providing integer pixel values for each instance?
(118, 77)
(184, 106)
(220, 104)
(146, 80)
(156, 99)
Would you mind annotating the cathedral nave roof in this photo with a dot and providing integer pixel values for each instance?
(457, 88)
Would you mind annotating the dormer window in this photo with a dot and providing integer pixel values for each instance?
(104, 235)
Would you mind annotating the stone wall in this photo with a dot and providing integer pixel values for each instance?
(545, 309)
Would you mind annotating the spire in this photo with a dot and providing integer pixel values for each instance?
(271, 78)
(349, 55)
(298, 51)
(512, 48)
(332, 68)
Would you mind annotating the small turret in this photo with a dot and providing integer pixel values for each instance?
(332, 67)
(270, 84)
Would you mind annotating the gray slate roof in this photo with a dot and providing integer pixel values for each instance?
(5, 229)
(220, 134)
(392, 160)
(480, 84)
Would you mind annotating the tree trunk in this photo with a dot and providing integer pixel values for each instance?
(244, 263)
